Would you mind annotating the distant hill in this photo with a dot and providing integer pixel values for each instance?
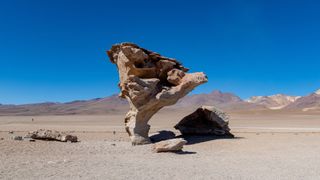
(113, 104)
(225, 101)
(307, 103)
(110, 104)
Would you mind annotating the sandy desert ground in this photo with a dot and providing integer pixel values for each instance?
(268, 145)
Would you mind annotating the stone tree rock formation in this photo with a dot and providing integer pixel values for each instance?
(149, 82)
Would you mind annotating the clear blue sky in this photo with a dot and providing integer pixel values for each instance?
(55, 50)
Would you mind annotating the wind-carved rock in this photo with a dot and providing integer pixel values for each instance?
(149, 82)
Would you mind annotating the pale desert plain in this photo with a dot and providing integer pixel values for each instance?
(267, 145)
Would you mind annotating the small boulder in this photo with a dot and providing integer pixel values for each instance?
(69, 138)
(17, 138)
(206, 120)
(171, 145)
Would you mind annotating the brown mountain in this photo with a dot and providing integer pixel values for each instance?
(111, 104)
(225, 101)
(215, 97)
(307, 103)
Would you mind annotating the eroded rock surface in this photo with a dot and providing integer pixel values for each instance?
(171, 145)
(206, 120)
(149, 82)
(51, 135)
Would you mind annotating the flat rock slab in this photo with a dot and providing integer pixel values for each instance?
(51, 135)
(171, 145)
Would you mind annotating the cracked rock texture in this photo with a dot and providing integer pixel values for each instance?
(149, 82)
(51, 135)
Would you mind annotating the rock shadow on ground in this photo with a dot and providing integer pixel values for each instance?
(195, 139)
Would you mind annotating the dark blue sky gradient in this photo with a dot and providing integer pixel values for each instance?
(55, 50)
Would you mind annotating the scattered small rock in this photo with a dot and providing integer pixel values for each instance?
(69, 138)
(17, 138)
(171, 145)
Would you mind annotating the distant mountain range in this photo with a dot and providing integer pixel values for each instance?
(278, 101)
(226, 101)
(307, 103)
(310, 102)
(112, 104)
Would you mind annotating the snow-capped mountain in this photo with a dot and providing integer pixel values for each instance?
(307, 103)
(277, 101)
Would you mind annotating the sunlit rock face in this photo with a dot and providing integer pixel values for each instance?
(149, 82)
